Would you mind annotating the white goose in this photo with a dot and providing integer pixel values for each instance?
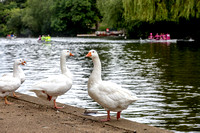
(21, 74)
(109, 95)
(10, 84)
(54, 86)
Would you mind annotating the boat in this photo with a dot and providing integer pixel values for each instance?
(162, 38)
(109, 33)
(11, 36)
(157, 41)
(41, 41)
(44, 39)
(161, 41)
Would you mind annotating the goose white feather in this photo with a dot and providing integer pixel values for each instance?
(10, 84)
(109, 95)
(54, 86)
(21, 75)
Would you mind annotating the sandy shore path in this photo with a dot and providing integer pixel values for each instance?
(29, 114)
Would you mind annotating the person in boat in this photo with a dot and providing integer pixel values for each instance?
(39, 38)
(151, 36)
(162, 36)
(48, 38)
(157, 37)
(43, 38)
(168, 36)
(9, 36)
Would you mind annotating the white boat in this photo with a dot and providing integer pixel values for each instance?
(161, 41)
(11, 37)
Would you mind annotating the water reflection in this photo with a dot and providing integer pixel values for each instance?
(165, 77)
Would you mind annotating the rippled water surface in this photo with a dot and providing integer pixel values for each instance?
(166, 77)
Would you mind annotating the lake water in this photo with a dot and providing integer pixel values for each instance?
(166, 77)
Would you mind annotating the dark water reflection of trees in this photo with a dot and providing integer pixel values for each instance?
(179, 82)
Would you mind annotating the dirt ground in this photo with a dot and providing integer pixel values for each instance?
(31, 115)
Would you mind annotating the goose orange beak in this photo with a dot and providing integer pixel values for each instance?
(89, 54)
(71, 54)
(24, 63)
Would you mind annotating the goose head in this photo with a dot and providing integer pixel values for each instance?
(20, 62)
(67, 53)
(92, 54)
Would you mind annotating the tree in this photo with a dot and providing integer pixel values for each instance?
(37, 16)
(2, 19)
(5, 15)
(74, 16)
(14, 22)
(112, 12)
(160, 10)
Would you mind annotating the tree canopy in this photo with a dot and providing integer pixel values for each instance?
(63, 17)
(37, 16)
(74, 16)
(160, 10)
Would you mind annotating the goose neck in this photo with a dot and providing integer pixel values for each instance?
(16, 71)
(95, 77)
(63, 64)
(64, 69)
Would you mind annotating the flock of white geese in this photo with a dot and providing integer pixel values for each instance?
(108, 94)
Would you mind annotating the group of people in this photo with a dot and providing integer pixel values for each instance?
(10, 36)
(162, 36)
(44, 38)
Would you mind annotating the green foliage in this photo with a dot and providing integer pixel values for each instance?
(14, 23)
(2, 13)
(142, 10)
(37, 16)
(112, 12)
(4, 30)
(5, 15)
(73, 16)
(160, 10)
(102, 27)
(11, 5)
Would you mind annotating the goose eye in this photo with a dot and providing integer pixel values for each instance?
(92, 51)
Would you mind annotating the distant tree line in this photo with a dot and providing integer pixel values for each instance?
(180, 18)
(55, 17)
